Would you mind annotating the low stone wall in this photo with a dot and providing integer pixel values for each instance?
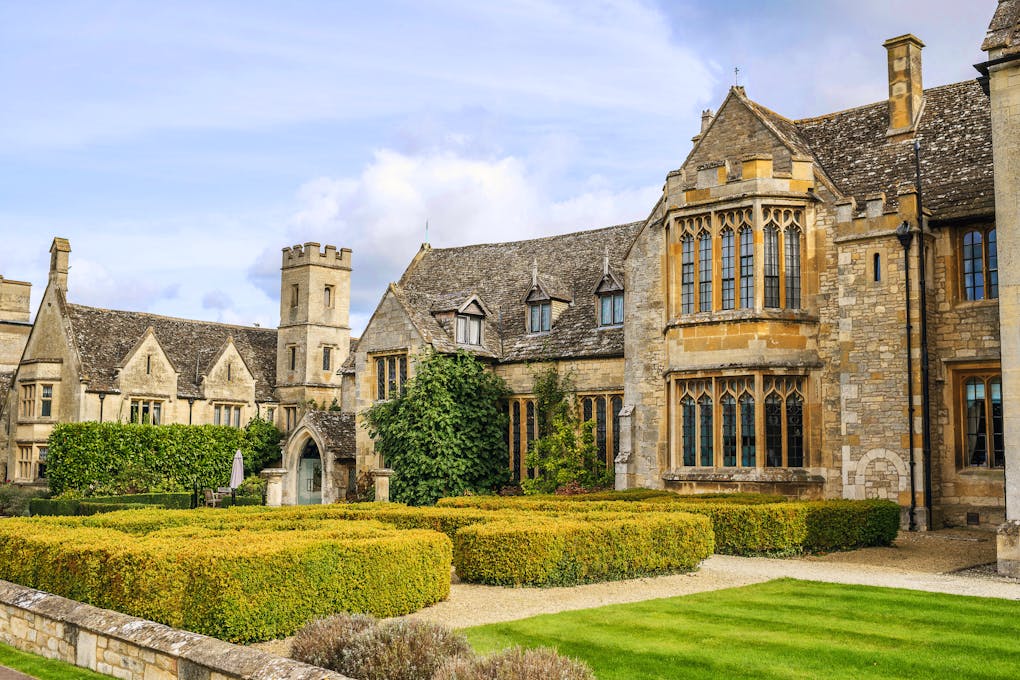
(131, 648)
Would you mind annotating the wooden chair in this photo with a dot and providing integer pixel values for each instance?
(212, 499)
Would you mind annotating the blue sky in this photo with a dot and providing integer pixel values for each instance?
(179, 146)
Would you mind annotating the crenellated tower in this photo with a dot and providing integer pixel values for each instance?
(314, 333)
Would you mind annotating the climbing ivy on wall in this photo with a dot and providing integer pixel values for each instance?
(444, 434)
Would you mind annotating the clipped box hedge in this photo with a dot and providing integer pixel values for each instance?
(529, 550)
(73, 506)
(234, 583)
(742, 524)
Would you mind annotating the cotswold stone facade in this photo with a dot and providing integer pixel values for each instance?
(811, 308)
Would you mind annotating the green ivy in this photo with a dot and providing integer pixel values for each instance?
(114, 458)
(444, 434)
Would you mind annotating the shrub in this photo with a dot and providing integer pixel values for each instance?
(443, 435)
(74, 506)
(97, 458)
(15, 500)
(516, 664)
(323, 642)
(567, 550)
(231, 582)
(845, 525)
(253, 485)
(362, 648)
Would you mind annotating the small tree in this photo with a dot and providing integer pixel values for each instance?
(263, 438)
(444, 434)
(565, 453)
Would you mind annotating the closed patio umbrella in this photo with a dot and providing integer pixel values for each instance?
(237, 471)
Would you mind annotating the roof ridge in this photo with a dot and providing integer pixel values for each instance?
(822, 116)
(540, 238)
(219, 324)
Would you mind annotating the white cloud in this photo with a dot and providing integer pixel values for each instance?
(381, 214)
(92, 283)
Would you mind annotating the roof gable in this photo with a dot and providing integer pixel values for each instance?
(103, 337)
(502, 274)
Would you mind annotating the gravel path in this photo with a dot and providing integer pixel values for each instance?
(941, 561)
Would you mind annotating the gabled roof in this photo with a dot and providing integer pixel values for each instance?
(956, 151)
(1004, 30)
(501, 275)
(104, 337)
(334, 429)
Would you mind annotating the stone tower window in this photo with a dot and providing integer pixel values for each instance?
(327, 296)
(876, 267)
(293, 358)
(327, 358)
(295, 295)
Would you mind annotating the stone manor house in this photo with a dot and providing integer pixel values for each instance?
(765, 328)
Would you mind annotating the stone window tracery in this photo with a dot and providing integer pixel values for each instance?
(718, 421)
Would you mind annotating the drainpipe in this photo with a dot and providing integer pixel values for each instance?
(905, 236)
(925, 387)
(102, 396)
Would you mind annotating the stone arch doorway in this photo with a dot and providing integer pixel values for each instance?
(309, 475)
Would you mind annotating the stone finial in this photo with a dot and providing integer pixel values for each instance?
(605, 262)
(534, 272)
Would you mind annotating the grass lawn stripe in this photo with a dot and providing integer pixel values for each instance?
(43, 668)
(782, 629)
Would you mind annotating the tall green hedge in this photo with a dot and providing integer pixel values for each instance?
(86, 456)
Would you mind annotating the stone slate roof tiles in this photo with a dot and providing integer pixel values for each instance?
(335, 430)
(956, 151)
(104, 337)
(1004, 30)
(501, 275)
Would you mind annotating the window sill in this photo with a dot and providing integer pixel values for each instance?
(740, 316)
(977, 304)
(981, 472)
(610, 327)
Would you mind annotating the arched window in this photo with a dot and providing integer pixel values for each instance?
(705, 430)
(729, 430)
(747, 438)
(705, 272)
(690, 428)
(727, 268)
(687, 275)
(792, 252)
(773, 430)
(771, 237)
(746, 268)
(794, 431)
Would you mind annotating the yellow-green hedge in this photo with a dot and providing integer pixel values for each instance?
(566, 550)
(237, 584)
(743, 527)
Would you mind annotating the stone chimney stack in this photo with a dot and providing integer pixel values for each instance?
(706, 120)
(59, 253)
(905, 90)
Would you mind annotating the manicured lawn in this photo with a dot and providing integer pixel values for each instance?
(42, 668)
(782, 629)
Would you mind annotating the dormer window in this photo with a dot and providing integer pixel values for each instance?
(541, 317)
(469, 329)
(611, 309)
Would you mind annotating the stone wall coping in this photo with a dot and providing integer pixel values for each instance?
(217, 656)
